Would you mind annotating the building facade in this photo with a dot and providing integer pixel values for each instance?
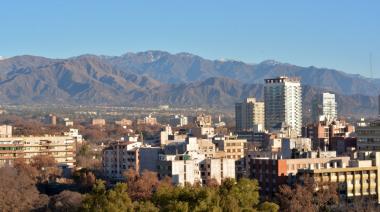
(368, 136)
(6, 131)
(120, 157)
(61, 148)
(329, 106)
(359, 179)
(98, 122)
(178, 121)
(283, 103)
(273, 172)
(249, 115)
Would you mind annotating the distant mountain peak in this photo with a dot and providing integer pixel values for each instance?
(272, 62)
(186, 54)
(225, 60)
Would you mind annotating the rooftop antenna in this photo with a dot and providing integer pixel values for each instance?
(370, 64)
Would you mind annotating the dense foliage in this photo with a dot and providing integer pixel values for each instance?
(157, 195)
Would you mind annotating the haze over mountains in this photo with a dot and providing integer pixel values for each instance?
(157, 77)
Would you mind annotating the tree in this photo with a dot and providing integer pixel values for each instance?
(246, 191)
(95, 200)
(18, 191)
(47, 168)
(85, 179)
(145, 206)
(368, 204)
(86, 158)
(230, 196)
(118, 199)
(243, 194)
(21, 166)
(141, 187)
(66, 201)
(304, 196)
(268, 207)
(115, 199)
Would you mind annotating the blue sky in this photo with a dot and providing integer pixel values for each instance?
(325, 33)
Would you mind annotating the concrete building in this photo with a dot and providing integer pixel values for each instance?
(325, 131)
(359, 179)
(181, 162)
(186, 163)
(148, 157)
(217, 168)
(203, 132)
(119, 157)
(167, 136)
(203, 120)
(51, 119)
(273, 172)
(249, 115)
(5, 131)
(369, 136)
(207, 147)
(69, 123)
(232, 147)
(178, 121)
(124, 122)
(62, 148)
(148, 120)
(329, 106)
(98, 122)
(74, 133)
(182, 169)
(283, 103)
(289, 145)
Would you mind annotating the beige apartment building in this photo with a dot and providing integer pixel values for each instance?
(249, 115)
(273, 172)
(231, 146)
(359, 179)
(124, 122)
(98, 122)
(62, 148)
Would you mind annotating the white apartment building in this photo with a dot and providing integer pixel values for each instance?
(329, 106)
(74, 133)
(249, 114)
(283, 103)
(192, 166)
(218, 169)
(178, 121)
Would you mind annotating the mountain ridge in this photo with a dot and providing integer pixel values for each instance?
(156, 77)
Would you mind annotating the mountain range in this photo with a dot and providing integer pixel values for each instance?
(183, 79)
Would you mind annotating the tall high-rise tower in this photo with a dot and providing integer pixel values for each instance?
(329, 106)
(283, 103)
(249, 115)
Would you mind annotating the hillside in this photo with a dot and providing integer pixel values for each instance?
(155, 77)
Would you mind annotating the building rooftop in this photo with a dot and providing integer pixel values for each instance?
(282, 79)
